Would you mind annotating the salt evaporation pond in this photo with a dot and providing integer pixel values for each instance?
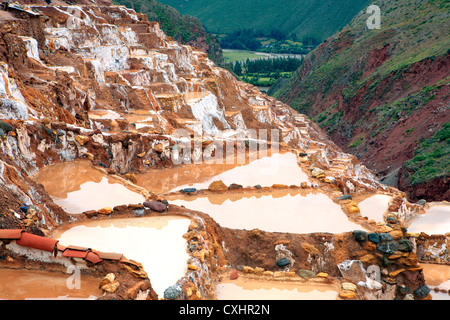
(300, 211)
(254, 289)
(375, 206)
(155, 242)
(18, 284)
(77, 187)
(435, 220)
(278, 168)
(437, 275)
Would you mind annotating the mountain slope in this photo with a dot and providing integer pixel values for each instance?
(378, 93)
(319, 19)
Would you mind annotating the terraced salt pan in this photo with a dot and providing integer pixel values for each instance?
(18, 284)
(252, 289)
(77, 187)
(279, 168)
(436, 220)
(374, 207)
(298, 211)
(156, 242)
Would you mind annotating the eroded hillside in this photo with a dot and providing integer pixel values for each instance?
(380, 93)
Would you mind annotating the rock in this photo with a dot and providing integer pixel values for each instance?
(172, 292)
(106, 210)
(6, 127)
(396, 234)
(307, 274)
(349, 286)
(405, 245)
(304, 184)
(347, 294)
(258, 186)
(322, 275)
(422, 202)
(409, 296)
(395, 273)
(345, 197)
(159, 148)
(283, 262)
(234, 186)
(217, 186)
(247, 269)
(422, 292)
(384, 236)
(388, 247)
(360, 235)
(317, 173)
(353, 208)
(109, 284)
(234, 274)
(374, 237)
(155, 205)
(188, 190)
(131, 177)
(82, 140)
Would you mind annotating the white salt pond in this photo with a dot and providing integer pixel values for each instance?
(278, 168)
(77, 187)
(155, 242)
(375, 206)
(20, 284)
(253, 289)
(298, 211)
(436, 220)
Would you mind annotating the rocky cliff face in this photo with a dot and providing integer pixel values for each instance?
(380, 93)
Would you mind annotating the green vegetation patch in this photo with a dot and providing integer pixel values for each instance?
(431, 159)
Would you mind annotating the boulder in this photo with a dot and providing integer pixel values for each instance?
(360, 235)
(217, 186)
(283, 262)
(405, 245)
(234, 274)
(422, 292)
(172, 292)
(307, 274)
(235, 186)
(374, 237)
(155, 205)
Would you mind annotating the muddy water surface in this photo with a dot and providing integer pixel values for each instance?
(295, 211)
(253, 289)
(156, 242)
(77, 187)
(437, 276)
(29, 284)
